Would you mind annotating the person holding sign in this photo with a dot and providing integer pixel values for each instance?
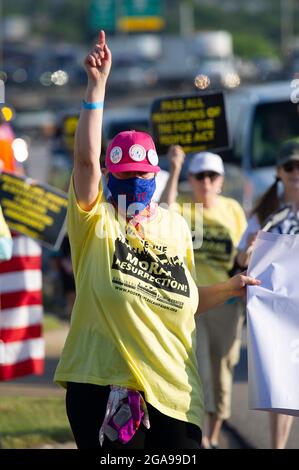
(129, 363)
(277, 214)
(215, 243)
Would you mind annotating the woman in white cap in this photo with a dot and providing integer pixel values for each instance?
(215, 243)
(277, 211)
(129, 363)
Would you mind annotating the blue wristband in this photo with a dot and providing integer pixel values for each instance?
(94, 105)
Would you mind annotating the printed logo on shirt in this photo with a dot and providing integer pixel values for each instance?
(217, 245)
(161, 272)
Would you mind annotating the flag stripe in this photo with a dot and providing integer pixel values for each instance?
(19, 263)
(11, 335)
(28, 280)
(22, 347)
(24, 246)
(17, 299)
(11, 353)
(21, 317)
(29, 366)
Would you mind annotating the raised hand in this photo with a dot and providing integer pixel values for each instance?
(98, 62)
(176, 157)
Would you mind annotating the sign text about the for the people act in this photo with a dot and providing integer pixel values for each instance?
(196, 122)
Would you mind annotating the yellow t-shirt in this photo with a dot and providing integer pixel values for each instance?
(133, 320)
(216, 235)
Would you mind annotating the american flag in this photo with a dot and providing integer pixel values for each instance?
(21, 341)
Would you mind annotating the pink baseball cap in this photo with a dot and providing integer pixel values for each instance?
(132, 151)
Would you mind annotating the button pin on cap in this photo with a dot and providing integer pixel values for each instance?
(152, 157)
(116, 154)
(137, 152)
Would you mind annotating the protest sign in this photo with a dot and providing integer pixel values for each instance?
(33, 209)
(273, 324)
(196, 122)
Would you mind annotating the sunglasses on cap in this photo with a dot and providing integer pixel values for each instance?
(290, 166)
(206, 174)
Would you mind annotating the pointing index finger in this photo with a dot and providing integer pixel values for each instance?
(102, 39)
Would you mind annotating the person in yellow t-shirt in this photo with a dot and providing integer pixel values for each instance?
(129, 361)
(215, 244)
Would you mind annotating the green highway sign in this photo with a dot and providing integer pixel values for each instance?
(102, 15)
(140, 15)
(141, 8)
(126, 15)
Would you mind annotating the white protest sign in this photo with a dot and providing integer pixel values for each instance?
(273, 324)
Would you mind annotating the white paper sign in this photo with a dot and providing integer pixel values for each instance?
(273, 324)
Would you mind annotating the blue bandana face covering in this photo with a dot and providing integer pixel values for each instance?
(131, 195)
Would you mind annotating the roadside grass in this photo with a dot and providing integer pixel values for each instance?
(51, 322)
(29, 422)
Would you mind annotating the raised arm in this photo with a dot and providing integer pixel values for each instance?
(88, 136)
(176, 157)
(243, 256)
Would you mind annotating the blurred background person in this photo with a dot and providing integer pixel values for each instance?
(218, 332)
(277, 212)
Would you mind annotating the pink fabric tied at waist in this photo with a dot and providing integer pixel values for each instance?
(125, 411)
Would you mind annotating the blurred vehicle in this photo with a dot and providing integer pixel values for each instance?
(145, 46)
(33, 125)
(246, 69)
(59, 64)
(260, 118)
(222, 73)
(18, 63)
(208, 53)
(214, 58)
(268, 69)
(176, 67)
(36, 64)
(218, 44)
(131, 73)
(292, 64)
(137, 68)
(30, 122)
